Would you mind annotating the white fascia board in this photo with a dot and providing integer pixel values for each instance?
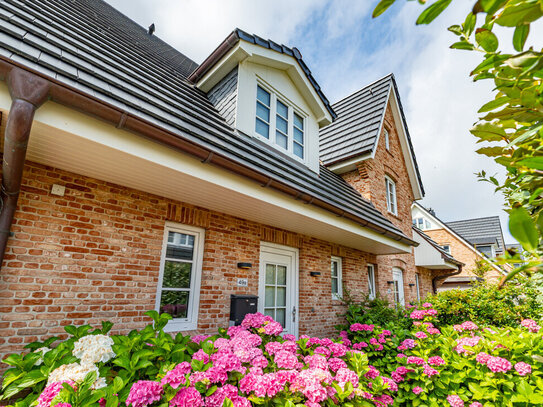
(349, 165)
(464, 241)
(244, 50)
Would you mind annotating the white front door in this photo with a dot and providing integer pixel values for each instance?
(397, 276)
(278, 285)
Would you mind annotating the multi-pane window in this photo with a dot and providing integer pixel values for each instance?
(446, 248)
(486, 250)
(288, 129)
(263, 104)
(391, 196)
(337, 284)
(421, 223)
(387, 140)
(397, 290)
(275, 292)
(178, 289)
(372, 292)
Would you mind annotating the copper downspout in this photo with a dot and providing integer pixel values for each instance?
(27, 92)
(436, 279)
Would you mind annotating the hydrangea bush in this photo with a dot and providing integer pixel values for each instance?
(242, 366)
(460, 365)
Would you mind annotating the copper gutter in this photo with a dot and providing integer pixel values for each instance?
(214, 57)
(28, 92)
(443, 277)
(75, 99)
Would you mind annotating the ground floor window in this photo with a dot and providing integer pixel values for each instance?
(397, 277)
(372, 292)
(337, 283)
(178, 292)
(417, 286)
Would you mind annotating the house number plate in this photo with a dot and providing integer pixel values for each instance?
(243, 282)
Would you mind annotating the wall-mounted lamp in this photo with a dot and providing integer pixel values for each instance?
(314, 273)
(411, 285)
(245, 265)
(390, 282)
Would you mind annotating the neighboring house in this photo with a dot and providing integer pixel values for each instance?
(462, 241)
(152, 182)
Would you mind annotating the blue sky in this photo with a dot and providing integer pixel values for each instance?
(346, 49)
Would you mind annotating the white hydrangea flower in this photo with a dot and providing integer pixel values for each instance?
(99, 383)
(43, 351)
(94, 349)
(74, 372)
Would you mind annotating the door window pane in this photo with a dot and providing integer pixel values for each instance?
(270, 297)
(281, 275)
(270, 274)
(281, 296)
(280, 316)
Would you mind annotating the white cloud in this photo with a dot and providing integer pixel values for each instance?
(346, 50)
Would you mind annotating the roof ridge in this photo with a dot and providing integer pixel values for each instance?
(470, 219)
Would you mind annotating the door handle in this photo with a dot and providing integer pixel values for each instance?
(293, 314)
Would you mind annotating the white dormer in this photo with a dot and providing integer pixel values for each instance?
(265, 90)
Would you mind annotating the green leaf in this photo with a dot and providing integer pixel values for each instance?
(520, 35)
(430, 14)
(494, 104)
(490, 151)
(532, 162)
(523, 228)
(382, 7)
(227, 402)
(463, 45)
(486, 39)
(488, 132)
(469, 24)
(518, 13)
(491, 6)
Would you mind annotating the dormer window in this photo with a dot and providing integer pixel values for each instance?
(391, 196)
(275, 113)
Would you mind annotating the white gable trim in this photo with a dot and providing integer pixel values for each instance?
(244, 50)
(464, 241)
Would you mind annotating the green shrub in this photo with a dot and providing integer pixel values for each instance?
(485, 304)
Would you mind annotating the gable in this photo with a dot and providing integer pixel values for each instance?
(354, 136)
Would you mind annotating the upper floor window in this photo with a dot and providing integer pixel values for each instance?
(279, 123)
(487, 250)
(421, 223)
(337, 283)
(372, 292)
(391, 196)
(387, 140)
(417, 286)
(446, 248)
(178, 291)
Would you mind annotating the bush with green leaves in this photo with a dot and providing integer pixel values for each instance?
(485, 304)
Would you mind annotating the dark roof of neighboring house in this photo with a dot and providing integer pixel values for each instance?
(486, 230)
(89, 46)
(446, 256)
(359, 119)
(239, 34)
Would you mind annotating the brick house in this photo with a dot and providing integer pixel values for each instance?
(135, 179)
(469, 241)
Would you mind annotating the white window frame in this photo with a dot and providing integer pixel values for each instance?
(191, 322)
(417, 286)
(492, 250)
(372, 291)
(392, 202)
(398, 272)
(448, 251)
(339, 261)
(387, 140)
(274, 97)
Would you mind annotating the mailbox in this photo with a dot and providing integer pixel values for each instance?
(241, 305)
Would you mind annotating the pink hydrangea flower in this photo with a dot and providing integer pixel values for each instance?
(429, 371)
(383, 400)
(338, 350)
(417, 390)
(436, 361)
(415, 360)
(50, 392)
(323, 351)
(427, 305)
(290, 337)
(187, 397)
(531, 325)
(360, 345)
(523, 369)
(469, 326)
(362, 327)
(455, 401)
(177, 375)
(402, 370)
(143, 393)
(482, 358)
(372, 373)
(497, 364)
(401, 355)
(433, 331)
(199, 338)
(398, 378)
(256, 320)
(273, 328)
(335, 364)
(260, 361)
(420, 335)
(63, 405)
(285, 360)
(417, 315)
(392, 385)
(475, 404)
(345, 375)
(226, 391)
(409, 343)
(201, 355)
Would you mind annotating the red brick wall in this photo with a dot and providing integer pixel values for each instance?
(369, 180)
(94, 254)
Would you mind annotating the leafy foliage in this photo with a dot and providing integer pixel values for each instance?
(511, 124)
(486, 305)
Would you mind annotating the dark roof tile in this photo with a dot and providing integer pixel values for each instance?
(480, 231)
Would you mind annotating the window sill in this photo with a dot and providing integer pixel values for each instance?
(178, 326)
(394, 214)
